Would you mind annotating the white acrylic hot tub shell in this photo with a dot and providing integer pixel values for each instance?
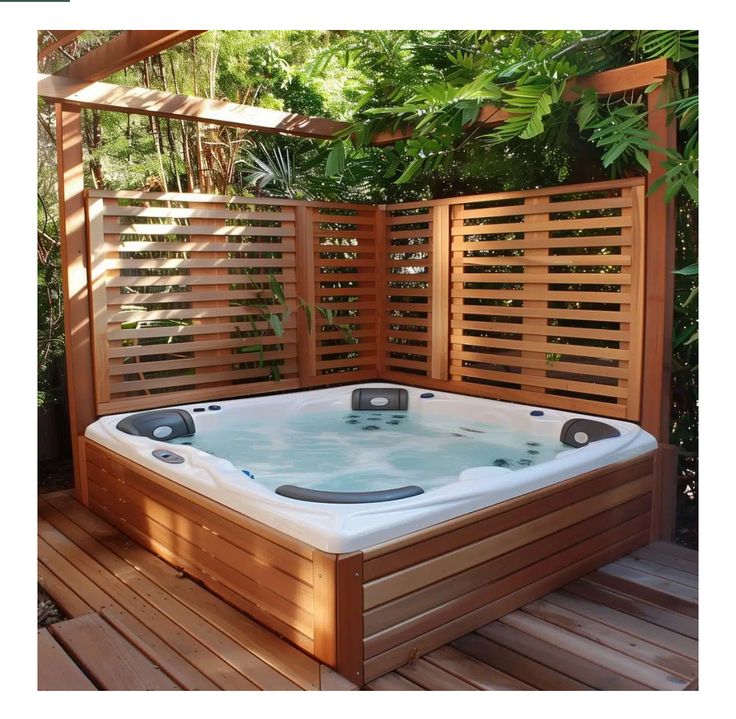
(339, 528)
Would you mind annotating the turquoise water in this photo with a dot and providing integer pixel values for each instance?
(367, 451)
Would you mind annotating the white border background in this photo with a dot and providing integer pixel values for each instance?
(17, 208)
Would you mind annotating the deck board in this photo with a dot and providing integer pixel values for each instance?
(150, 611)
(630, 625)
(108, 658)
(57, 671)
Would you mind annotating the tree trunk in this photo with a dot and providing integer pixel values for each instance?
(186, 154)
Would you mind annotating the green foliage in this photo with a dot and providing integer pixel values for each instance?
(622, 134)
(677, 45)
(527, 106)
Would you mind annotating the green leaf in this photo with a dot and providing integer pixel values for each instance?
(277, 289)
(413, 168)
(307, 314)
(275, 322)
(335, 164)
(643, 160)
(693, 294)
(688, 271)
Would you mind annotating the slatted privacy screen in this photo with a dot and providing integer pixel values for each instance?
(345, 342)
(546, 297)
(182, 296)
(533, 297)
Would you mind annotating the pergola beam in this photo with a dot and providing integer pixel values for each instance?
(122, 51)
(63, 37)
(145, 101)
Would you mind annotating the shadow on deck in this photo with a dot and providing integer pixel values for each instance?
(137, 623)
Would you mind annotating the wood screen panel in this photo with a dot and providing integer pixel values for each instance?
(406, 322)
(180, 291)
(345, 292)
(546, 297)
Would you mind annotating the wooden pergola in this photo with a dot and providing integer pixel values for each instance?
(594, 519)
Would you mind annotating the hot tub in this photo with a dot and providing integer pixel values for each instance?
(369, 524)
(342, 476)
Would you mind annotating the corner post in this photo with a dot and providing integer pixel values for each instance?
(77, 336)
(659, 310)
(305, 279)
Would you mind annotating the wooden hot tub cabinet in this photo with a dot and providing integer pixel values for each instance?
(368, 612)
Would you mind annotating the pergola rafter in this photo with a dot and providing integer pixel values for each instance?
(145, 101)
(122, 51)
(62, 39)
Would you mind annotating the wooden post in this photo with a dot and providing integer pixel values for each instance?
(660, 281)
(305, 280)
(530, 326)
(349, 622)
(382, 290)
(78, 346)
(659, 304)
(440, 284)
(325, 607)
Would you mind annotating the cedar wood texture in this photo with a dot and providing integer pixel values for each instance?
(368, 612)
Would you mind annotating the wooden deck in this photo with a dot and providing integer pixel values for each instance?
(137, 623)
(631, 625)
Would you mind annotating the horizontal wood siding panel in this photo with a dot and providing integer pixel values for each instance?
(397, 554)
(449, 579)
(534, 583)
(393, 612)
(268, 579)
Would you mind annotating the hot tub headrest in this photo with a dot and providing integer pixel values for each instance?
(579, 432)
(380, 398)
(163, 424)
